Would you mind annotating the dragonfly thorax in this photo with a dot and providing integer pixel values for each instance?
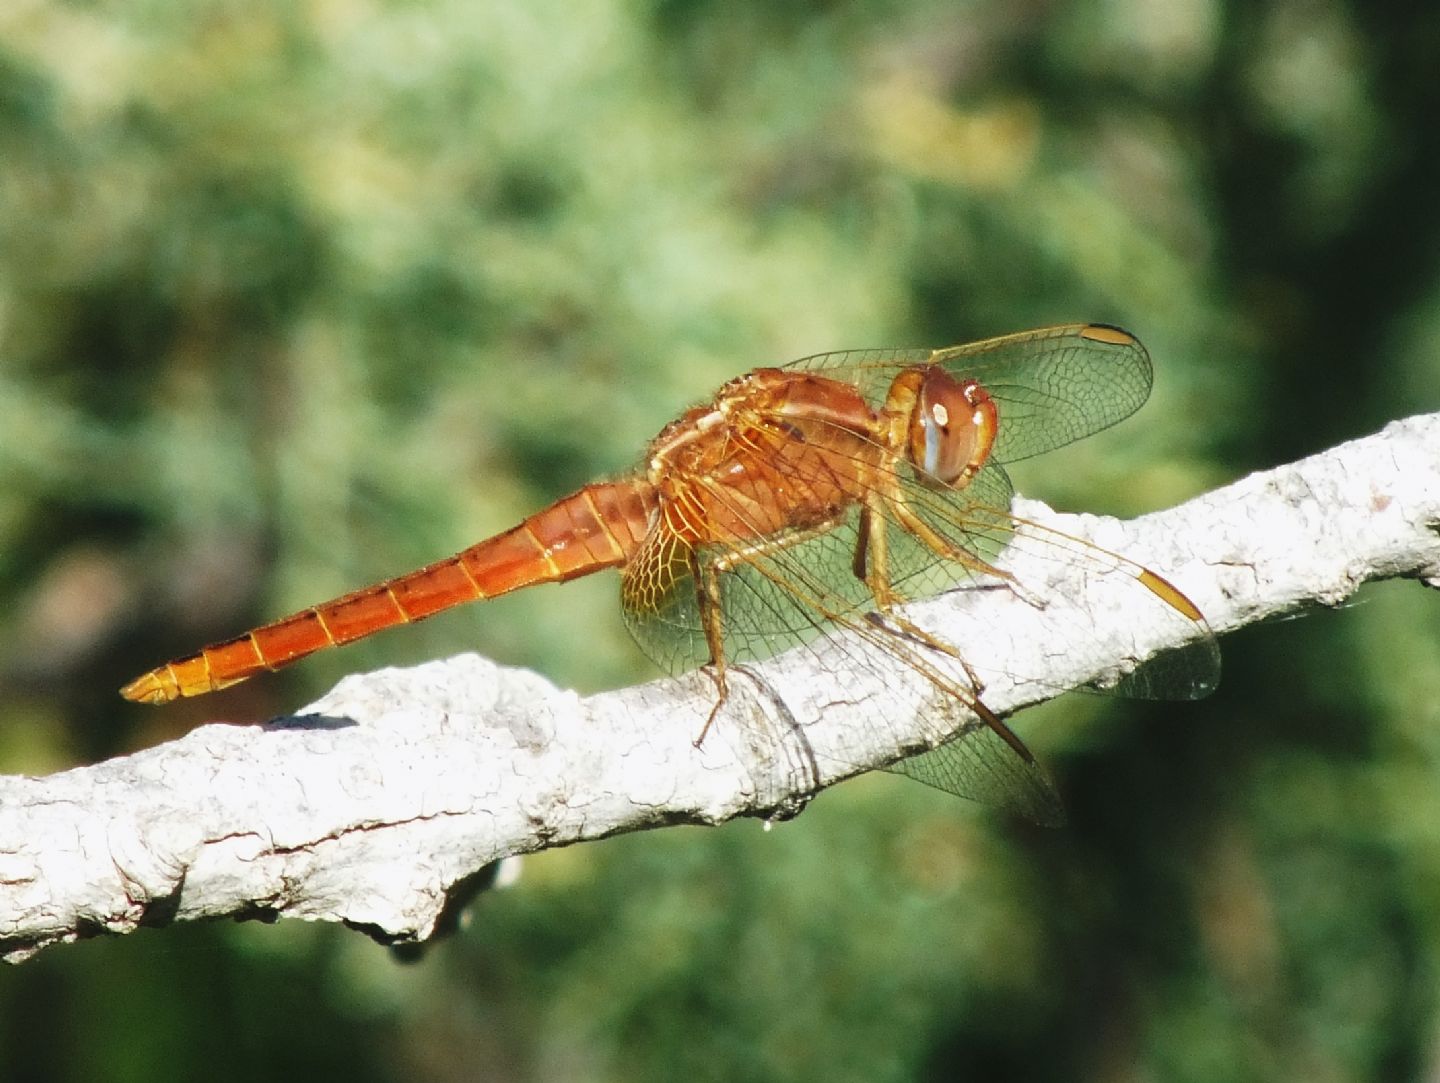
(777, 450)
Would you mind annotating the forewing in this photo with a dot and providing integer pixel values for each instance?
(1053, 385)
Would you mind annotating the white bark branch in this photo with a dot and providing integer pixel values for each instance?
(383, 805)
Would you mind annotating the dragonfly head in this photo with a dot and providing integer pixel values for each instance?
(952, 427)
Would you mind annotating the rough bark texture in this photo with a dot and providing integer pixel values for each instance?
(387, 804)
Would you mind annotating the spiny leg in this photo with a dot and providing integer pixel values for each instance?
(872, 564)
(706, 574)
(712, 620)
(960, 555)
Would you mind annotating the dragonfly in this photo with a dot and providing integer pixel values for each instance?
(807, 506)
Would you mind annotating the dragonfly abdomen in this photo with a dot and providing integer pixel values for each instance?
(597, 527)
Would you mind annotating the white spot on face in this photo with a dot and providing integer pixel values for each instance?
(977, 419)
(940, 414)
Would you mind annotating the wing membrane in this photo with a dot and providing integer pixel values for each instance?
(792, 592)
(1054, 385)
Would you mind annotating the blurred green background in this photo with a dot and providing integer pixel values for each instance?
(297, 296)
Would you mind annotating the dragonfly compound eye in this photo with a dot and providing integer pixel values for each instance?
(952, 428)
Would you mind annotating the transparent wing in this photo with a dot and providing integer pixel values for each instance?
(1044, 566)
(797, 589)
(801, 592)
(1053, 386)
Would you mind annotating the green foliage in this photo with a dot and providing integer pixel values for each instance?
(294, 297)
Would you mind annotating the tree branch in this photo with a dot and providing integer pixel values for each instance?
(385, 804)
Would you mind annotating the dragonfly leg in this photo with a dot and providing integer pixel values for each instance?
(707, 598)
(872, 563)
(746, 554)
(960, 555)
(706, 574)
(716, 672)
(898, 625)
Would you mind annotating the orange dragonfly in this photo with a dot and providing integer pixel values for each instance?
(803, 501)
